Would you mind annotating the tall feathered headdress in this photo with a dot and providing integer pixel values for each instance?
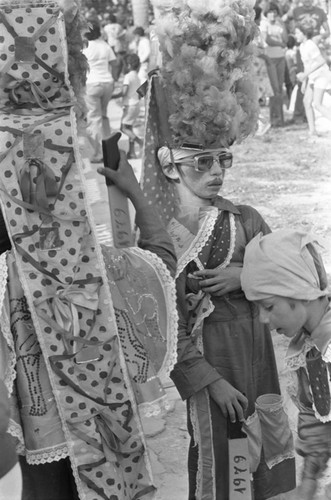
(204, 91)
(207, 68)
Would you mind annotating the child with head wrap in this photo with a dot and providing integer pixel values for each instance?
(284, 275)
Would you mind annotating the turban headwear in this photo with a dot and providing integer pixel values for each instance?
(285, 263)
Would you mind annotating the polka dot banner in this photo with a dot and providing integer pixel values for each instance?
(32, 56)
(59, 261)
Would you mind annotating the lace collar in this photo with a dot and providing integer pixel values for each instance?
(190, 215)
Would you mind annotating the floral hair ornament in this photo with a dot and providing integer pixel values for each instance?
(204, 92)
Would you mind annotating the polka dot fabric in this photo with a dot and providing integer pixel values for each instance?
(157, 189)
(60, 268)
(42, 29)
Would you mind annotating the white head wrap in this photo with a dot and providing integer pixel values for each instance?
(284, 263)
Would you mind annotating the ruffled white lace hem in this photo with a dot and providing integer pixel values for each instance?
(47, 455)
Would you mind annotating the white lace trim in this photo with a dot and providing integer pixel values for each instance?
(169, 287)
(280, 458)
(323, 419)
(292, 386)
(10, 371)
(155, 408)
(299, 360)
(47, 455)
(197, 440)
(3, 277)
(199, 242)
(15, 430)
(327, 355)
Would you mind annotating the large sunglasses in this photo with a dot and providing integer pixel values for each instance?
(204, 162)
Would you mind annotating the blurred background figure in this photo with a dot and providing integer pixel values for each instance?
(307, 15)
(115, 37)
(99, 89)
(274, 34)
(130, 103)
(315, 79)
(142, 47)
(263, 82)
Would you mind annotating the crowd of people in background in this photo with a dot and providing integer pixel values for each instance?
(295, 80)
(285, 80)
(118, 53)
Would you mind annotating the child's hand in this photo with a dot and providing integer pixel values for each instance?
(232, 402)
(219, 282)
(123, 177)
(301, 76)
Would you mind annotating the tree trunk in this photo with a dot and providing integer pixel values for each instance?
(140, 9)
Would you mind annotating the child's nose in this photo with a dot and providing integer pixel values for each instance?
(217, 168)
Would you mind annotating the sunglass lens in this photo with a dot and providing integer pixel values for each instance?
(205, 163)
(225, 160)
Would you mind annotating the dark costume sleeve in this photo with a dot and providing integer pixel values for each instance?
(192, 372)
(252, 221)
(154, 237)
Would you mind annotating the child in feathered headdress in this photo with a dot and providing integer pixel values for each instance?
(200, 101)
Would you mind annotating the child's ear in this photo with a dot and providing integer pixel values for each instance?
(171, 172)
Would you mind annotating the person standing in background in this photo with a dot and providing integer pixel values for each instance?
(316, 77)
(99, 89)
(115, 34)
(274, 34)
(306, 15)
(143, 50)
(263, 82)
(130, 103)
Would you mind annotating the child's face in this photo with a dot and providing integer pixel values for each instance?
(272, 16)
(286, 316)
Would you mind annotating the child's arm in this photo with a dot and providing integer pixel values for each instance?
(316, 61)
(122, 93)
